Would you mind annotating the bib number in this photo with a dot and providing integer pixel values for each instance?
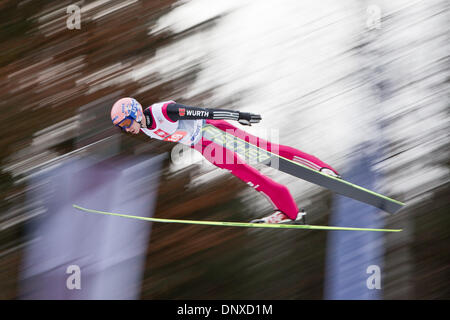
(175, 137)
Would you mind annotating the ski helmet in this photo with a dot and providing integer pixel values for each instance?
(125, 111)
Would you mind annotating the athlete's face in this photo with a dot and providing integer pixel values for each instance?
(134, 128)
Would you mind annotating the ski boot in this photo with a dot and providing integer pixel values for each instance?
(330, 172)
(280, 217)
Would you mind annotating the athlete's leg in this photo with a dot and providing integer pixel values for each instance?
(282, 150)
(278, 194)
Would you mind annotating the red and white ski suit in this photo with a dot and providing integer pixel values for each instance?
(173, 122)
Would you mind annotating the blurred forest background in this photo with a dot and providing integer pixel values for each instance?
(328, 76)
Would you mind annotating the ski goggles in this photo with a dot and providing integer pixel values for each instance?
(125, 123)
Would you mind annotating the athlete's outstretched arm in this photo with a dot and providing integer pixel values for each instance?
(177, 111)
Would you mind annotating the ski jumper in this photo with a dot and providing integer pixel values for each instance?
(170, 121)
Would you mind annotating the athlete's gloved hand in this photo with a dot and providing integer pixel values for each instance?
(246, 118)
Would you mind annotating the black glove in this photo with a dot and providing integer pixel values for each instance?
(246, 118)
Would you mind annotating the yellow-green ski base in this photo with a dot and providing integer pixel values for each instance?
(236, 224)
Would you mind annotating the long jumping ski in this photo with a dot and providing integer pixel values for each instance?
(236, 224)
(254, 153)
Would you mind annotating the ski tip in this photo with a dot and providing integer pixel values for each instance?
(78, 207)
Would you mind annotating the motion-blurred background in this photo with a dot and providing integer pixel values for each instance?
(363, 85)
